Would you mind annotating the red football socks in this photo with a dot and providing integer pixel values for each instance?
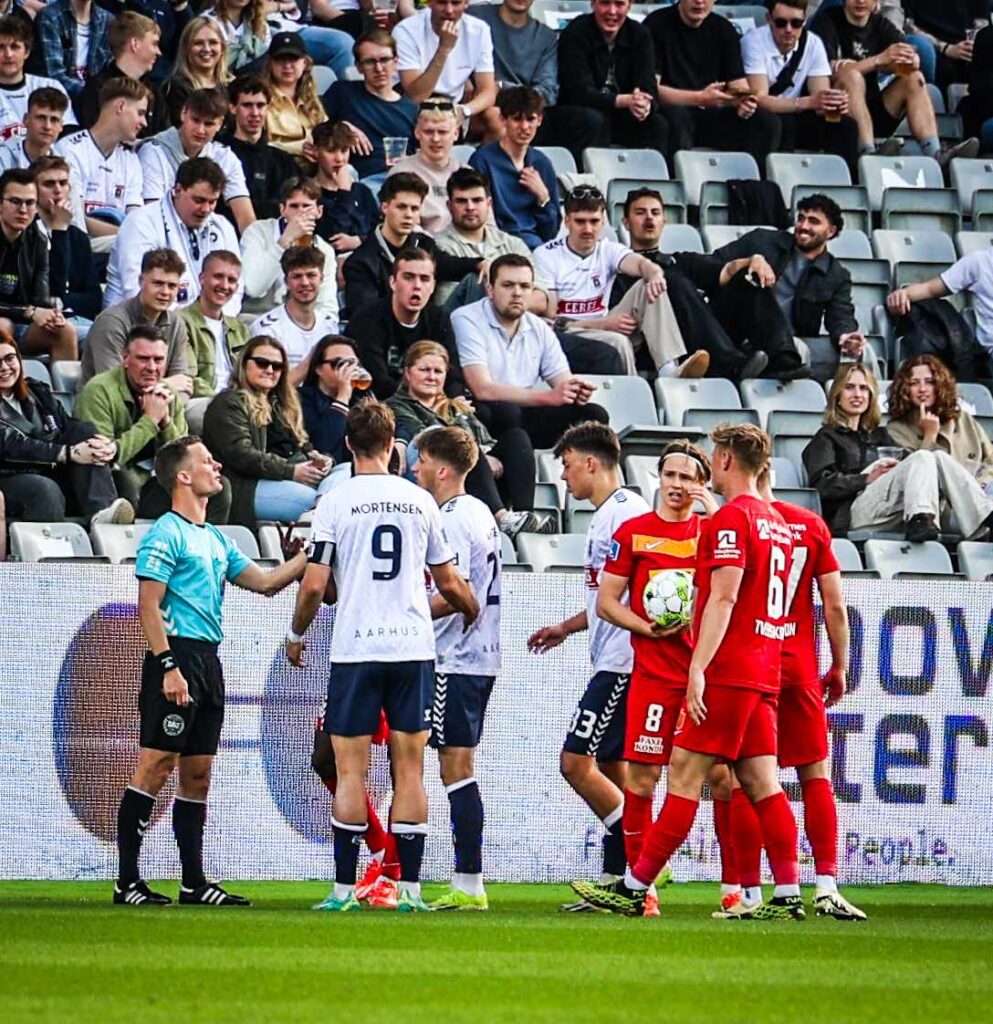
(665, 837)
(747, 839)
(636, 822)
(820, 818)
(725, 839)
(779, 837)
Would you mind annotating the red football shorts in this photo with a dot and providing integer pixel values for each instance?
(653, 710)
(740, 723)
(803, 731)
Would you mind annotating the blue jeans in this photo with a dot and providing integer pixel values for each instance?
(926, 52)
(328, 47)
(284, 501)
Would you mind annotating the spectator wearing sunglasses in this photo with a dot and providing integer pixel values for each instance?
(335, 377)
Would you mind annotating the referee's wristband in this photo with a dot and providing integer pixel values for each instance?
(293, 638)
(166, 660)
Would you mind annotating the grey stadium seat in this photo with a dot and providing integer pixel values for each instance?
(851, 244)
(717, 235)
(66, 375)
(680, 238)
(624, 163)
(560, 158)
(119, 543)
(544, 550)
(890, 557)
(921, 209)
(976, 559)
(973, 241)
(968, 176)
(847, 554)
(39, 542)
(628, 400)
(913, 246)
(978, 396)
(766, 395)
(808, 170)
(878, 173)
(677, 395)
(785, 472)
(694, 167)
(853, 200)
(37, 370)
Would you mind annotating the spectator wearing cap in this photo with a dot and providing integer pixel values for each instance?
(294, 107)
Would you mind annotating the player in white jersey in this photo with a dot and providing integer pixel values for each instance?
(466, 663)
(591, 760)
(376, 533)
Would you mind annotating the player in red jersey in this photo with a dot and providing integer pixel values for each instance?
(665, 538)
(803, 700)
(730, 711)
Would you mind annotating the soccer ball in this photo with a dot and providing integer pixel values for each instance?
(668, 598)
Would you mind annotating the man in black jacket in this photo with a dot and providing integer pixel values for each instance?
(607, 65)
(386, 328)
(367, 271)
(24, 293)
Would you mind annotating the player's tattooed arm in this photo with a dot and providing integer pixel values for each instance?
(551, 636)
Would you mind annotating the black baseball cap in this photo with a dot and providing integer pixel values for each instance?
(287, 44)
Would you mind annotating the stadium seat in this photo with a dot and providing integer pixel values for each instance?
(45, 542)
(766, 395)
(810, 171)
(680, 238)
(921, 209)
(851, 244)
(879, 173)
(914, 271)
(560, 158)
(673, 198)
(549, 467)
(982, 209)
(66, 375)
(956, 92)
(785, 473)
(196, 410)
(628, 400)
(800, 422)
(37, 370)
(717, 235)
(694, 167)
(805, 497)
(508, 553)
(791, 448)
(324, 77)
(978, 396)
(607, 164)
(462, 152)
(937, 99)
(550, 492)
(969, 175)
(866, 297)
(849, 559)
(706, 420)
(578, 520)
(244, 540)
(544, 550)
(270, 548)
(642, 471)
(677, 395)
(913, 246)
(871, 271)
(118, 543)
(853, 200)
(976, 559)
(973, 241)
(891, 558)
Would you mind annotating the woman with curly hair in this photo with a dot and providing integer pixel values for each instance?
(255, 428)
(201, 63)
(295, 109)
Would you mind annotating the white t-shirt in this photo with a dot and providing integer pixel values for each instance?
(100, 181)
(158, 168)
(974, 273)
(14, 103)
(82, 49)
(377, 532)
(297, 341)
(533, 355)
(582, 283)
(761, 56)
(12, 154)
(610, 646)
(417, 42)
(472, 534)
(222, 361)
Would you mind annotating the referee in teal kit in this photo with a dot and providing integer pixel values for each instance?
(182, 565)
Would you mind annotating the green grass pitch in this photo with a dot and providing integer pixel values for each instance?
(67, 955)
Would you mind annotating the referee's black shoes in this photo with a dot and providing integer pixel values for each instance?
(210, 894)
(137, 894)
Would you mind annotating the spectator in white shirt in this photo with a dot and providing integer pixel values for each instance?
(299, 324)
(580, 269)
(439, 49)
(103, 169)
(265, 243)
(201, 119)
(15, 86)
(508, 356)
(42, 127)
(185, 221)
(788, 71)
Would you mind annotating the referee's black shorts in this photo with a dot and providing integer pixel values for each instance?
(195, 729)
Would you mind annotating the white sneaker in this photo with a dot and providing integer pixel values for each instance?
(120, 512)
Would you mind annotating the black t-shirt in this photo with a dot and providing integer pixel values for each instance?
(10, 281)
(845, 41)
(351, 212)
(949, 20)
(692, 58)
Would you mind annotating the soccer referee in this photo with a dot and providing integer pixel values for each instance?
(183, 563)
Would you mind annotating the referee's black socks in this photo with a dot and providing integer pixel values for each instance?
(133, 818)
(188, 820)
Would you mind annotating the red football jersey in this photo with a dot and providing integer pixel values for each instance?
(747, 534)
(812, 557)
(642, 547)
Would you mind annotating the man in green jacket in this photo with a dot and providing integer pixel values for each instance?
(135, 407)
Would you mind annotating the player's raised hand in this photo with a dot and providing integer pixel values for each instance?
(835, 684)
(695, 706)
(175, 689)
(546, 639)
(294, 652)
(705, 496)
